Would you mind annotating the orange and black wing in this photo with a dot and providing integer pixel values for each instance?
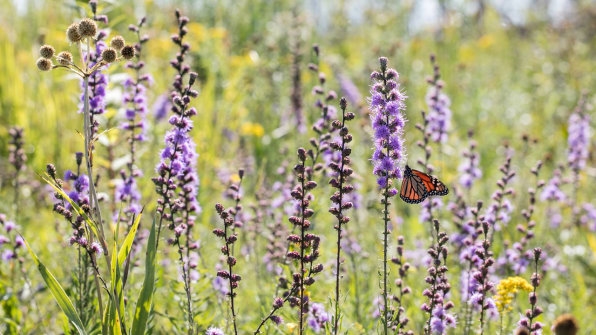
(417, 186)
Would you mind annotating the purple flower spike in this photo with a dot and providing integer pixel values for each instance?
(387, 104)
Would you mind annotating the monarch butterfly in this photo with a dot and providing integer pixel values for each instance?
(417, 186)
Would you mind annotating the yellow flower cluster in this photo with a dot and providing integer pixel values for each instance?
(506, 289)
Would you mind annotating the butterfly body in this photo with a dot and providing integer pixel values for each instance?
(417, 186)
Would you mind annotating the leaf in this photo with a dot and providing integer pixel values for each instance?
(145, 300)
(58, 293)
(76, 207)
(128, 240)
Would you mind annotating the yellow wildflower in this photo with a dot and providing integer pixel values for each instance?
(506, 290)
(291, 327)
(252, 129)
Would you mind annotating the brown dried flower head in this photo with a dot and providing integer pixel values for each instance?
(47, 51)
(87, 28)
(565, 324)
(44, 64)
(72, 33)
(128, 52)
(117, 43)
(109, 55)
(64, 58)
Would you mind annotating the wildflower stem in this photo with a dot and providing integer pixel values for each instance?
(302, 250)
(385, 243)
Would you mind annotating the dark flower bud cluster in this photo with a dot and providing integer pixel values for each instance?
(499, 211)
(16, 152)
(528, 321)
(480, 287)
(341, 176)
(327, 113)
(228, 234)
(76, 188)
(400, 320)
(304, 247)
(438, 306)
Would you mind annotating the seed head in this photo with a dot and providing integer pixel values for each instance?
(72, 33)
(128, 52)
(47, 51)
(117, 43)
(109, 55)
(565, 324)
(87, 28)
(44, 64)
(64, 58)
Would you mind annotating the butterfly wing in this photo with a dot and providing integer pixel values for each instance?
(417, 186)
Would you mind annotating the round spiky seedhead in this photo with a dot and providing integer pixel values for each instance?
(565, 324)
(128, 52)
(47, 51)
(44, 64)
(109, 55)
(64, 58)
(87, 28)
(117, 43)
(72, 33)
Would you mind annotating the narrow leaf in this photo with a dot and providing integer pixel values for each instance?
(58, 293)
(145, 300)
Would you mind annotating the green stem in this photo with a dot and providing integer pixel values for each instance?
(385, 245)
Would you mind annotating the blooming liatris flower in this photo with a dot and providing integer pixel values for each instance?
(214, 331)
(579, 137)
(469, 166)
(317, 317)
(506, 289)
(386, 105)
(439, 115)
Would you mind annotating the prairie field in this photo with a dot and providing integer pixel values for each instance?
(289, 167)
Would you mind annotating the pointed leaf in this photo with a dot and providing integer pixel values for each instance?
(58, 292)
(145, 299)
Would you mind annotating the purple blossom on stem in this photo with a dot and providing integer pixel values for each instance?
(317, 317)
(588, 218)
(552, 191)
(10, 242)
(480, 286)
(177, 180)
(349, 89)
(439, 115)
(517, 258)
(97, 87)
(469, 167)
(387, 104)
(437, 307)
(135, 102)
(499, 211)
(579, 137)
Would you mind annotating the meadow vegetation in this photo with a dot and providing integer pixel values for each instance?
(236, 167)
